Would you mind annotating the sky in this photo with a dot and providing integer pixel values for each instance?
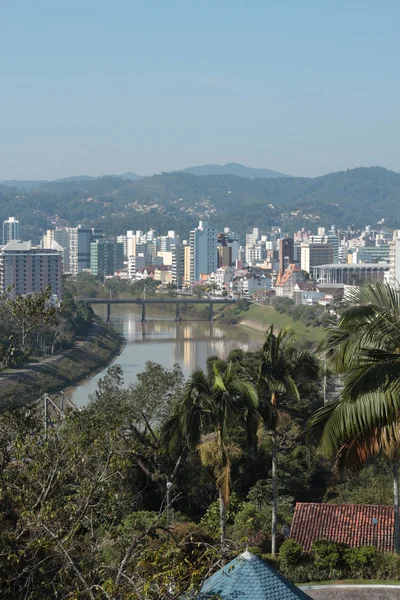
(96, 87)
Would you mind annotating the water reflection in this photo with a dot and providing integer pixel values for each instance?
(188, 343)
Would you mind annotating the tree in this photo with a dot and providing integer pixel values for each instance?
(281, 366)
(204, 415)
(364, 421)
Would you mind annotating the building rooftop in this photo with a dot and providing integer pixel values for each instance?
(353, 266)
(249, 578)
(350, 524)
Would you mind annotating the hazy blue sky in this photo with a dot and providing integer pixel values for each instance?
(95, 86)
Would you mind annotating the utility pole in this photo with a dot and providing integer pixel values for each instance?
(169, 486)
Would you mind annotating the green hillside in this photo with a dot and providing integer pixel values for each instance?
(177, 201)
(267, 315)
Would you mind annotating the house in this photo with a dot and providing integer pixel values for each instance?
(249, 578)
(351, 524)
(285, 283)
(248, 284)
(306, 293)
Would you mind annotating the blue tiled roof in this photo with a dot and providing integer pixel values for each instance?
(249, 578)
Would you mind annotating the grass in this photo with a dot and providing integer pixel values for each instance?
(267, 315)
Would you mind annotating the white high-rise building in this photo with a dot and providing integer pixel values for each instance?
(177, 261)
(252, 238)
(203, 251)
(394, 260)
(80, 239)
(10, 230)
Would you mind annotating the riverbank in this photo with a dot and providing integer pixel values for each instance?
(86, 358)
(259, 317)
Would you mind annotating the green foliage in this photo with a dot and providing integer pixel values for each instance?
(339, 198)
(388, 566)
(32, 326)
(373, 485)
(290, 553)
(361, 561)
(326, 554)
(211, 520)
(310, 316)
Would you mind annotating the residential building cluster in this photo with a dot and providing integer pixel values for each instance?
(310, 266)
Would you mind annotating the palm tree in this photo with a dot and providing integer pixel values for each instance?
(280, 368)
(204, 417)
(364, 421)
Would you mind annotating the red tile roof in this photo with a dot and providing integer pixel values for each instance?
(351, 524)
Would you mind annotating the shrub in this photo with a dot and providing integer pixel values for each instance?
(305, 573)
(290, 553)
(361, 561)
(388, 566)
(326, 554)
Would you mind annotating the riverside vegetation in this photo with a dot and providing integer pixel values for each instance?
(45, 348)
(146, 491)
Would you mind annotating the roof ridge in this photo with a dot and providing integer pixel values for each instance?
(343, 504)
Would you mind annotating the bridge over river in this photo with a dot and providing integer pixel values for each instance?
(144, 302)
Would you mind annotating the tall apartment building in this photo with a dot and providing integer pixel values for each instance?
(131, 238)
(53, 238)
(286, 253)
(252, 238)
(394, 260)
(203, 251)
(227, 248)
(256, 253)
(10, 230)
(186, 262)
(47, 239)
(331, 239)
(79, 247)
(27, 269)
(177, 261)
(123, 239)
(313, 255)
(105, 257)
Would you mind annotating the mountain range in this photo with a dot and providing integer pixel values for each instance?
(228, 169)
(359, 197)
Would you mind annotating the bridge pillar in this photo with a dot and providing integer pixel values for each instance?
(211, 311)
(108, 312)
(143, 312)
(178, 312)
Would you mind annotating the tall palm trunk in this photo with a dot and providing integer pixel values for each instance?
(274, 482)
(395, 466)
(222, 520)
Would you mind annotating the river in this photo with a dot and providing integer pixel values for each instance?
(188, 343)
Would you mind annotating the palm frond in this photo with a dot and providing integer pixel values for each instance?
(342, 420)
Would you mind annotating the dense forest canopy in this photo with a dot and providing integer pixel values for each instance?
(178, 200)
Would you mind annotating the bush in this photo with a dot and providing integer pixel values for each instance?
(326, 554)
(307, 572)
(290, 553)
(388, 566)
(361, 561)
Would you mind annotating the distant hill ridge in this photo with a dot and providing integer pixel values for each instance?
(232, 169)
(229, 169)
(359, 197)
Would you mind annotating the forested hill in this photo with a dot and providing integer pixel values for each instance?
(178, 200)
